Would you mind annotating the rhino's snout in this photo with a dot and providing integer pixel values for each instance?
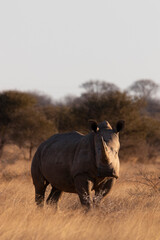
(114, 174)
(103, 172)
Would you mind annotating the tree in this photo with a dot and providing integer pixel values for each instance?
(144, 88)
(32, 127)
(112, 107)
(25, 119)
(98, 87)
(41, 99)
(10, 103)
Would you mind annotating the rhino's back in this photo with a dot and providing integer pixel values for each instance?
(56, 157)
(56, 146)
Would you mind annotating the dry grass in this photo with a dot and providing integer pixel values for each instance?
(130, 212)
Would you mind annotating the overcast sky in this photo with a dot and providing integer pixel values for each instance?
(53, 46)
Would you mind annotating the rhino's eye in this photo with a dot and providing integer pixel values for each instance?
(114, 151)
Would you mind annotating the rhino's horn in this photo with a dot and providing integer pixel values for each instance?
(105, 155)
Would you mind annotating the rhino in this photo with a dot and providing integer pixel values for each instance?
(71, 161)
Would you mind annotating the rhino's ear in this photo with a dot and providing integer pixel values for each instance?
(93, 125)
(120, 125)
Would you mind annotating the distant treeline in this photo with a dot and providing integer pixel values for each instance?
(27, 119)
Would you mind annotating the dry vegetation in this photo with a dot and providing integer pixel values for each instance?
(131, 211)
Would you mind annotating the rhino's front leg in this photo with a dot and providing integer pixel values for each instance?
(82, 188)
(102, 190)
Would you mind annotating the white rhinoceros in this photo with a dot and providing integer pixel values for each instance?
(70, 161)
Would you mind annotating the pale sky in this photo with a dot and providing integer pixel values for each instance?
(54, 46)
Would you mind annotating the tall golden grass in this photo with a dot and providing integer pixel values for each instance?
(130, 212)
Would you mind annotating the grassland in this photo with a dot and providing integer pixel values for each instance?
(130, 212)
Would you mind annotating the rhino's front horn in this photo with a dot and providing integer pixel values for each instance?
(105, 154)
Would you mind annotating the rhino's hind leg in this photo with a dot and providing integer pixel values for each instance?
(40, 184)
(40, 189)
(54, 196)
(82, 188)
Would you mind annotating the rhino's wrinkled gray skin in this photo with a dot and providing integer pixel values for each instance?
(70, 161)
